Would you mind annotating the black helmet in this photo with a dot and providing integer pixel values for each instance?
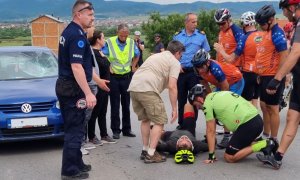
(264, 14)
(200, 58)
(222, 15)
(286, 3)
(197, 90)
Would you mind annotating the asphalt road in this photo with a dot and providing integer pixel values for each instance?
(38, 160)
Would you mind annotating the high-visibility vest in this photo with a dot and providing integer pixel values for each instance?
(120, 60)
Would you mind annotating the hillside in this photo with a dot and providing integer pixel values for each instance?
(20, 10)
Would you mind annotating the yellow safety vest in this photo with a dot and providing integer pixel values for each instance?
(120, 60)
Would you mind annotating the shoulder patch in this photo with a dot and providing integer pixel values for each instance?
(80, 44)
(176, 33)
(202, 32)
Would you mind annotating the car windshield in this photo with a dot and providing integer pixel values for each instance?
(27, 65)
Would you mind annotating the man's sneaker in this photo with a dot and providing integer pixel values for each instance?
(108, 139)
(269, 160)
(269, 148)
(96, 141)
(116, 136)
(84, 151)
(276, 146)
(80, 175)
(156, 158)
(143, 155)
(86, 168)
(88, 146)
(224, 142)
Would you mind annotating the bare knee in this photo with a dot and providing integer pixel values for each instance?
(229, 158)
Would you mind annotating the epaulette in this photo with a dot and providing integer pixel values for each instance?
(202, 32)
(176, 33)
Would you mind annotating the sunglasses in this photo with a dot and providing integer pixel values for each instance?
(262, 24)
(221, 24)
(90, 7)
(199, 65)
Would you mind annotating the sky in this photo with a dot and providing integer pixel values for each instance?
(190, 1)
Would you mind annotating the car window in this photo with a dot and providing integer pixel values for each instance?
(27, 65)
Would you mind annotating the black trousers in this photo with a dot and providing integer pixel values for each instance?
(99, 112)
(118, 94)
(74, 117)
(185, 82)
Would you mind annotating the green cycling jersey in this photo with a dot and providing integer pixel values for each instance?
(229, 108)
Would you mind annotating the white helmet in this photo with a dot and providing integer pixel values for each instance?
(248, 18)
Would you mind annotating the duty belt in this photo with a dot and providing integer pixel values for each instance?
(127, 75)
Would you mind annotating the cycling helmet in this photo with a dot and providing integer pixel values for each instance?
(286, 3)
(288, 27)
(200, 58)
(197, 90)
(264, 14)
(248, 18)
(184, 156)
(222, 15)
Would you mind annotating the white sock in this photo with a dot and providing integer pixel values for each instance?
(145, 148)
(265, 136)
(151, 151)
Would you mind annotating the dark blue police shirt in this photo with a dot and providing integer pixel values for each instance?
(74, 48)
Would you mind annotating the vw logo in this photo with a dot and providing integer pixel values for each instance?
(26, 108)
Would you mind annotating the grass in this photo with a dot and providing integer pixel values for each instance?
(18, 41)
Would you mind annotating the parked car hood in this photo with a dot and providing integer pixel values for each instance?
(20, 91)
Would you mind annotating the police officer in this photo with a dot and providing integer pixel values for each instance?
(123, 55)
(193, 40)
(75, 70)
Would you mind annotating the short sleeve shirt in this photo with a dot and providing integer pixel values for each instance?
(296, 39)
(158, 47)
(248, 45)
(229, 108)
(229, 41)
(192, 44)
(154, 74)
(74, 48)
(267, 56)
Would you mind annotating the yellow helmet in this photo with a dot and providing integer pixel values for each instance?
(184, 156)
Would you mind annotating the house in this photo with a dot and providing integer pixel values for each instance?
(45, 31)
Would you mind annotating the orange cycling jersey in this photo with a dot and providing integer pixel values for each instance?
(247, 46)
(218, 72)
(267, 56)
(229, 41)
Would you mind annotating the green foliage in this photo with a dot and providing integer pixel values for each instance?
(207, 24)
(168, 26)
(11, 33)
(165, 26)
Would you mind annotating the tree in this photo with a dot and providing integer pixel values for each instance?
(165, 26)
(207, 24)
(168, 26)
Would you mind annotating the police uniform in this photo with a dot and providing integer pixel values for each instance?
(120, 56)
(73, 48)
(188, 79)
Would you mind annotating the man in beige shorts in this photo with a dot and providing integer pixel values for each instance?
(158, 72)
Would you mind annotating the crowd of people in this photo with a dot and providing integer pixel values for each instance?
(250, 64)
